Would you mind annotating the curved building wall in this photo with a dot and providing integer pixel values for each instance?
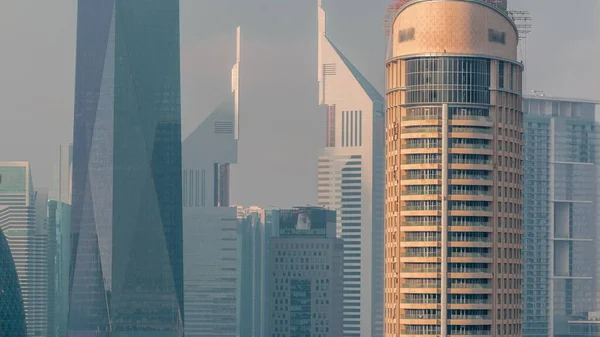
(12, 315)
(453, 172)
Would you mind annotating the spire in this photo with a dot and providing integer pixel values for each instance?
(320, 38)
(235, 83)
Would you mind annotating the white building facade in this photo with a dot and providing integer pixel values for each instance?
(210, 224)
(351, 181)
(27, 238)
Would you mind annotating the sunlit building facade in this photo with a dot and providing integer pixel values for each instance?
(351, 180)
(453, 172)
(126, 276)
(561, 285)
(210, 222)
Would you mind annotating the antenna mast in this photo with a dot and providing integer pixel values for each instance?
(522, 20)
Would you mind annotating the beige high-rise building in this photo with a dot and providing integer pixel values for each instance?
(453, 171)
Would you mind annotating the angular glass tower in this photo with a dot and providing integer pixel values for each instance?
(12, 315)
(127, 268)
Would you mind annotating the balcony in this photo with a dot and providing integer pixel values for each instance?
(422, 208)
(422, 224)
(417, 161)
(420, 316)
(469, 224)
(466, 129)
(421, 285)
(421, 118)
(422, 130)
(471, 118)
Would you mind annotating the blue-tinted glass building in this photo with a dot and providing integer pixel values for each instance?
(12, 316)
(126, 275)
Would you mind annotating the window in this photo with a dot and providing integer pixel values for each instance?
(501, 74)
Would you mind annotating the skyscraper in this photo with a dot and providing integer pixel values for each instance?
(305, 274)
(127, 265)
(59, 245)
(12, 315)
(27, 239)
(351, 181)
(454, 168)
(255, 231)
(210, 224)
(561, 285)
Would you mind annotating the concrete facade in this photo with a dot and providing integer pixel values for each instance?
(453, 172)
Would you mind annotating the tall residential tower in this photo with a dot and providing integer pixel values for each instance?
(126, 275)
(351, 180)
(453, 168)
(210, 223)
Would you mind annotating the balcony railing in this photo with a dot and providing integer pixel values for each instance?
(471, 118)
(423, 239)
(421, 285)
(472, 254)
(421, 146)
(420, 301)
(420, 316)
(470, 177)
(421, 177)
(471, 192)
(469, 317)
(406, 254)
(469, 270)
(463, 129)
(422, 208)
(470, 239)
(471, 161)
(470, 286)
(422, 118)
(422, 161)
(423, 192)
(422, 223)
(472, 146)
(470, 208)
(422, 270)
(422, 130)
(469, 224)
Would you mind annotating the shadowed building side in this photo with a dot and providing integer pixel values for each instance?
(12, 315)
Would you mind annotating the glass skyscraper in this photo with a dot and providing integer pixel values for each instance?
(126, 275)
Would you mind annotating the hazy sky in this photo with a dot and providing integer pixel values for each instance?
(281, 127)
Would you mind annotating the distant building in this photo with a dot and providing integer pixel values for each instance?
(12, 314)
(126, 274)
(351, 181)
(561, 177)
(27, 238)
(59, 245)
(305, 274)
(210, 223)
(254, 234)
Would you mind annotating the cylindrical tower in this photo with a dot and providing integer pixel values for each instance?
(453, 171)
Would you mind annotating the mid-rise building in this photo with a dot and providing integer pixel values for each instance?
(27, 238)
(561, 285)
(210, 223)
(454, 171)
(305, 274)
(126, 275)
(351, 180)
(12, 314)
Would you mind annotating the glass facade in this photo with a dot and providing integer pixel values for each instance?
(12, 315)
(127, 266)
(448, 79)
